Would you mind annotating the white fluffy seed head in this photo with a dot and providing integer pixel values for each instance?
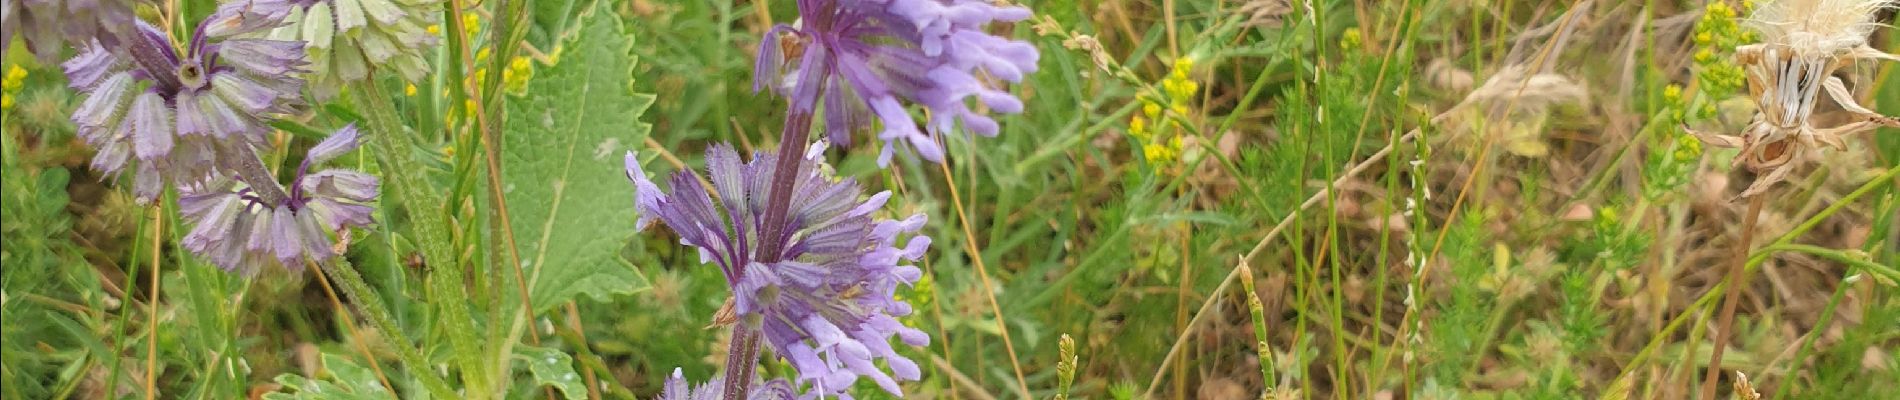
(1824, 26)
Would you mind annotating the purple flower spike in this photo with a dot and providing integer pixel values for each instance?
(873, 56)
(678, 389)
(51, 26)
(182, 116)
(830, 306)
(240, 230)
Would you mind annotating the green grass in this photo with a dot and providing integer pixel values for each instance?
(1460, 262)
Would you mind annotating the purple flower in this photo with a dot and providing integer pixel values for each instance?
(180, 115)
(868, 57)
(51, 26)
(346, 37)
(241, 228)
(678, 389)
(829, 306)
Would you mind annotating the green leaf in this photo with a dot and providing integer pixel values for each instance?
(552, 19)
(554, 368)
(347, 381)
(570, 204)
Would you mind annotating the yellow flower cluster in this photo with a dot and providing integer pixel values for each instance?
(1351, 40)
(922, 292)
(10, 86)
(1688, 149)
(1160, 142)
(1716, 36)
(515, 78)
(471, 25)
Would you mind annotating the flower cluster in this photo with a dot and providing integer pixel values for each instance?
(51, 26)
(196, 119)
(10, 86)
(244, 228)
(1717, 35)
(183, 116)
(678, 389)
(865, 58)
(346, 37)
(1160, 136)
(829, 306)
(1803, 44)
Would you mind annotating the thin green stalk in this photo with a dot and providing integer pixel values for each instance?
(1755, 261)
(371, 305)
(118, 338)
(1807, 342)
(1258, 313)
(1837, 256)
(430, 229)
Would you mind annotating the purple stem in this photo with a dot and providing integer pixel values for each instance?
(743, 351)
(251, 170)
(741, 357)
(153, 54)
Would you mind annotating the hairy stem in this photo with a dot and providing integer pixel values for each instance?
(430, 228)
(744, 350)
(251, 171)
(371, 305)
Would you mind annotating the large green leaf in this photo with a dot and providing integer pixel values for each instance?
(569, 200)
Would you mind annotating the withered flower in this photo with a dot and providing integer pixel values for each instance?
(1804, 44)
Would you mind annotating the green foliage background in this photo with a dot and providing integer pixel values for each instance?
(1575, 264)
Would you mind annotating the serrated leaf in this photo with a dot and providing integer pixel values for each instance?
(554, 368)
(568, 197)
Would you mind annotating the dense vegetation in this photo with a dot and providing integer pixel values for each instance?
(1212, 199)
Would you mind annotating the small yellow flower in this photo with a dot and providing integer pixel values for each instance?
(435, 29)
(409, 90)
(482, 55)
(1138, 127)
(1351, 39)
(1150, 108)
(516, 77)
(6, 101)
(1156, 154)
(471, 24)
(1672, 93)
(1688, 149)
(15, 78)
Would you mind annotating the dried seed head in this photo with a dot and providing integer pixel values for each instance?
(1827, 26)
(1804, 44)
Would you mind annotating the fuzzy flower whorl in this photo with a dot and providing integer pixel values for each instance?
(678, 389)
(830, 306)
(871, 57)
(51, 26)
(346, 37)
(182, 116)
(241, 231)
